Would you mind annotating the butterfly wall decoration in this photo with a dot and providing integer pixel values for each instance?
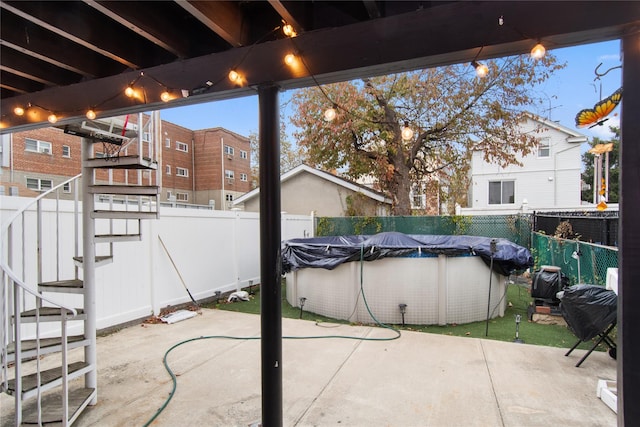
(597, 115)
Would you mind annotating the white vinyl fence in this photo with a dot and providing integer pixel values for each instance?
(212, 251)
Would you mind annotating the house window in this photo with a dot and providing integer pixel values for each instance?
(182, 197)
(167, 142)
(167, 169)
(501, 192)
(228, 150)
(39, 184)
(181, 146)
(146, 136)
(544, 150)
(66, 151)
(37, 146)
(243, 177)
(66, 188)
(416, 201)
(228, 197)
(182, 171)
(229, 174)
(243, 154)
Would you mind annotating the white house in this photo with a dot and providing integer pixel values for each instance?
(548, 179)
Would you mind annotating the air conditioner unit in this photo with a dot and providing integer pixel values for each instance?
(229, 180)
(230, 156)
(46, 150)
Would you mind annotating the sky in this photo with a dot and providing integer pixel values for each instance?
(567, 92)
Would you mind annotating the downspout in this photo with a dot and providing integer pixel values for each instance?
(222, 197)
(193, 167)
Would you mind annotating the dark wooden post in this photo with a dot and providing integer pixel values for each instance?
(629, 279)
(270, 258)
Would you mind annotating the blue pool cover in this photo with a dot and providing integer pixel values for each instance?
(329, 252)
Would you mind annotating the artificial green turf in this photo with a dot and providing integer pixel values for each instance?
(500, 328)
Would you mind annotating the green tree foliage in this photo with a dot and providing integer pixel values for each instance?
(614, 168)
(451, 111)
(290, 156)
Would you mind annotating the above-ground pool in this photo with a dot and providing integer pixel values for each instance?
(441, 279)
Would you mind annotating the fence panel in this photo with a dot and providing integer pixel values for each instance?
(516, 228)
(581, 262)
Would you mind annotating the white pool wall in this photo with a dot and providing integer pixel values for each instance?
(437, 290)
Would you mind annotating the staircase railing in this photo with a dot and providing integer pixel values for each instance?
(17, 297)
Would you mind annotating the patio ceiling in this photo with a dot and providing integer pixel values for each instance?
(68, 56)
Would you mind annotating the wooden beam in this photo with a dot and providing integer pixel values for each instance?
(224, 18)
(129, 21)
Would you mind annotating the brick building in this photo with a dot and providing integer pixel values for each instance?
(207, 166)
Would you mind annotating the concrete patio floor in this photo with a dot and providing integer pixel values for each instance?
(417, 380)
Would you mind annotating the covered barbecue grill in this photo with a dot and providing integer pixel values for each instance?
(590, 311)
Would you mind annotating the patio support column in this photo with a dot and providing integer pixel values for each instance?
(270, 258)
(629, 238)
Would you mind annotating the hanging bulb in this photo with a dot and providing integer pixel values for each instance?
(18, 111)
(129, 91)
(290, 59)
(235, 77)
(288, 30)
(407, 132)
(538, 51)
(91, 115)
(52, 118)
(330, 114)
(165, 96)
(481, 69)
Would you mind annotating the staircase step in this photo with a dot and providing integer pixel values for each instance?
(122, 162)
(100, 260)
(52, 407)
(47, 345)
(105, 238)
(128, 190)
(49, 379)
(71, 286)
(48, 314)
(105, 214)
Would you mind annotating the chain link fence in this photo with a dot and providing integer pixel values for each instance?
(581, 262)
(516, 228)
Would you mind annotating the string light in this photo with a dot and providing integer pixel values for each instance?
(290, 59)
(18, 111)
(130, 91)
(330, 113)
(288, 30)
(481, 69)
(235, 77)
(538, 51)
(91, 114)
(52, 118)
(165, 96)
(407, 132)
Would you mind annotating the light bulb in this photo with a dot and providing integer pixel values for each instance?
(288, 30)
(234, 76)
(91, 115)
(290, 59)
(129, 91)
(538, 51)
(52, 118)
(407, 132)
(481, 69)
(165, 96)
(18, 111)
(330, 114)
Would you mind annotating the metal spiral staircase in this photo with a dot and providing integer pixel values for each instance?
(42, 280)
